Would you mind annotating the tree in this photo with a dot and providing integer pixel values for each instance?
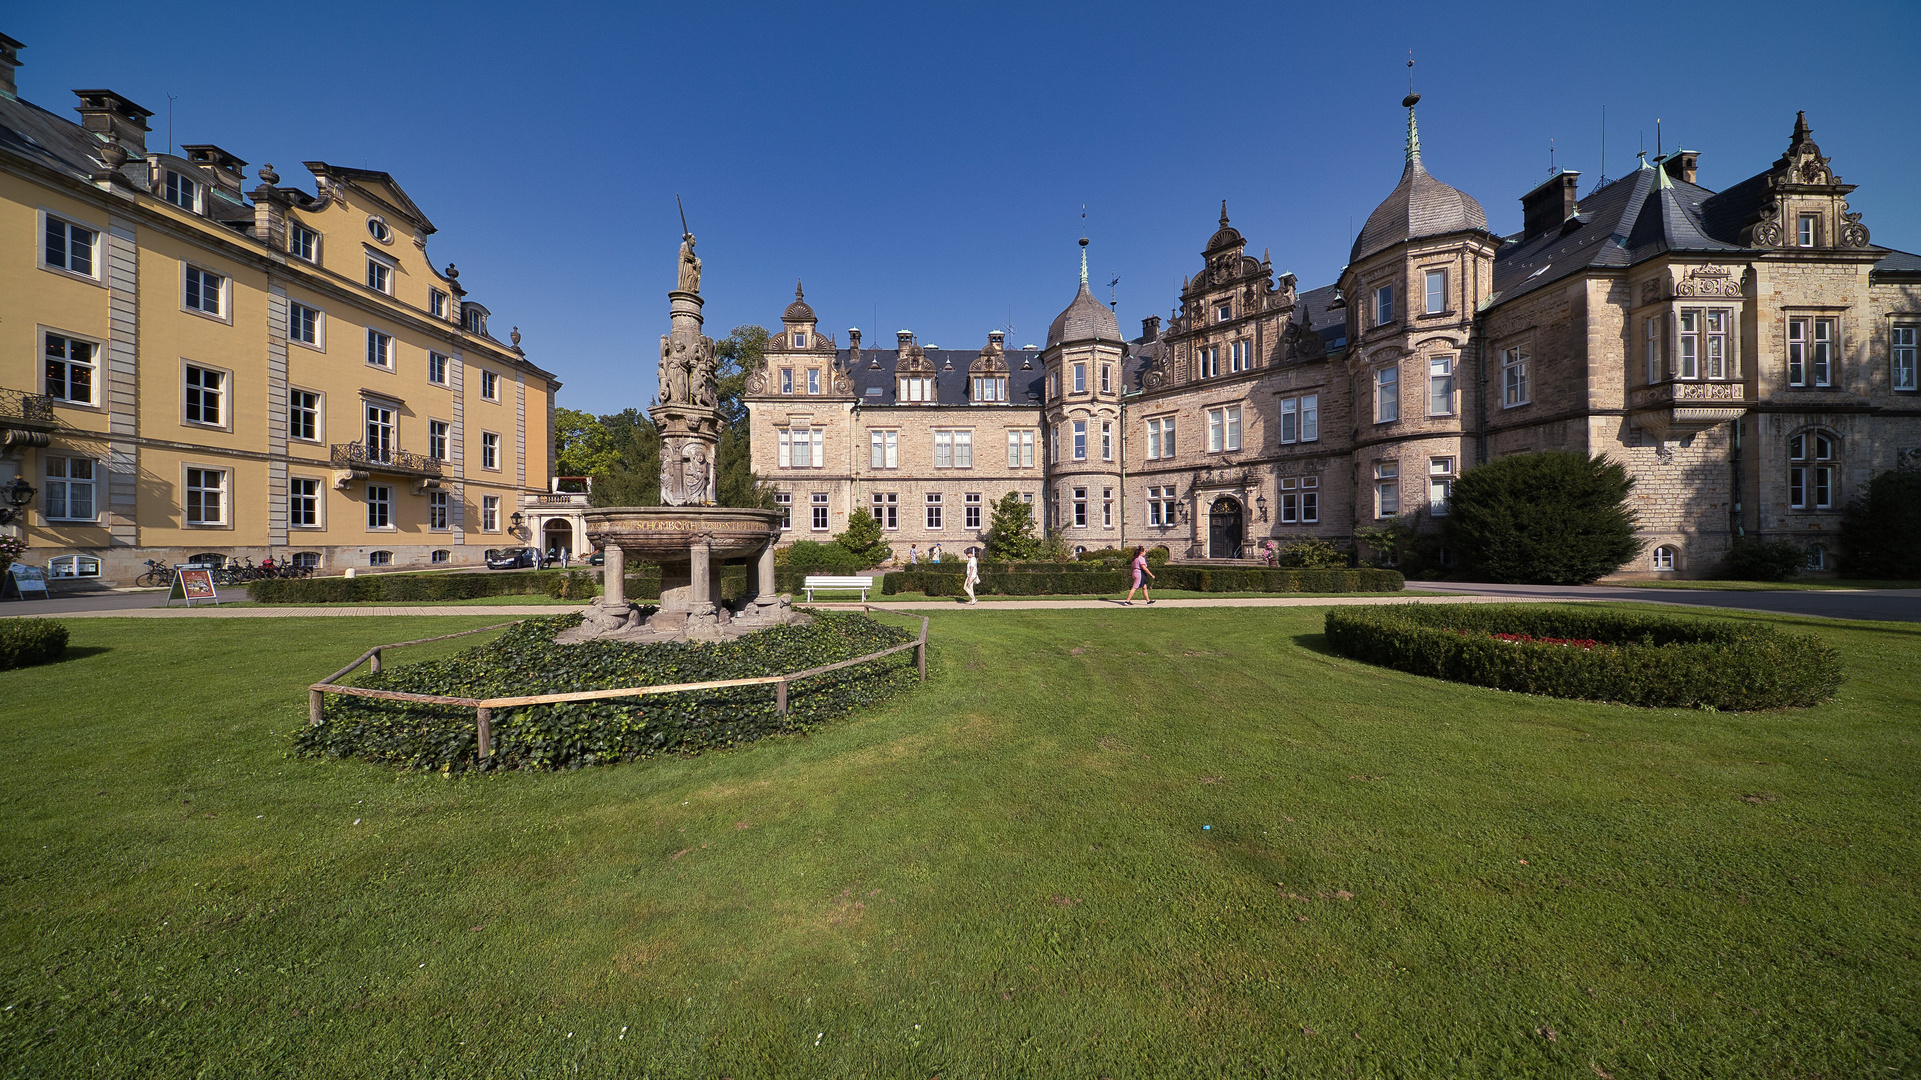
(582, 446)
(632, 477)
(1010, 532)
(863, 539)
(1553, 518)
(1881, 534)
(739, 353)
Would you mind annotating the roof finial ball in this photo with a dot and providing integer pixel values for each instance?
(1412, 98)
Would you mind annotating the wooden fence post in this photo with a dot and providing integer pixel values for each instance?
(920, 658)
(484, 720)
(780, 697)
(376, 664)
(316, 708)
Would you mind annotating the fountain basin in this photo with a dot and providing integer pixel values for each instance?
(665, 534)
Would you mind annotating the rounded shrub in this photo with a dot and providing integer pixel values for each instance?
(1552, 518)
(524, 661)
(1763, 560)
(1593, 654)
(24, 642)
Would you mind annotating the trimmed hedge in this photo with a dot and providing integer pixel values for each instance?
(582, 585)
(1647, 660)
(1042, 579)
(525, 660)
(25, 642)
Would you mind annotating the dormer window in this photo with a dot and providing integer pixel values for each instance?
(303, 243)
(1806, 229)
(918, 388)
(990, 388)
(183, 192)
(800, 339)
(474, 321)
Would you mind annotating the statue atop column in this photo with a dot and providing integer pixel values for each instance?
(688, 417)
(689, 265)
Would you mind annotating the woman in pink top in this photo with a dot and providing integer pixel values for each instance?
(1140, 567)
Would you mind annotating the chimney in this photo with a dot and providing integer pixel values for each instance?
(1547, 207)
(905, 341)
(104, 112)
(853, 338)
(1681, 165)
(996, 339)
(270, 210)
(228, 171)
(1151, 328)
(9, 60)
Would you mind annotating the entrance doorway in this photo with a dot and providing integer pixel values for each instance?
(559, 534)
(1224, 529)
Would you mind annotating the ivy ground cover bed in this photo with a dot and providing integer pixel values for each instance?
(1005, 872)
(524, 661)
(1595, 654)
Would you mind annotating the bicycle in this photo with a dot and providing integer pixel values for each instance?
(158, 574)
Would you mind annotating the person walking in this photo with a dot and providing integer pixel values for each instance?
(933, 555)
(912, 556)
(1140, 567)
(973, 576)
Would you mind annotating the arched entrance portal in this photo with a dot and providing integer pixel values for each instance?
(1224, 529)
(559, 534)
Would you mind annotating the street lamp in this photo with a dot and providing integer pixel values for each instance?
(1260, 503)
(16, 495)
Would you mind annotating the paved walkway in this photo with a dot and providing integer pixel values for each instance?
(288, 611)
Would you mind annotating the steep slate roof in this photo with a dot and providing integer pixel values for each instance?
(1418, 206)
(950, 376)
(1311, 308)
(1083, 319)
(31, 132)
(1899, 262)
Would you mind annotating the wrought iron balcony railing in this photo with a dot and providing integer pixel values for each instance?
(358, 456)
(21, 409)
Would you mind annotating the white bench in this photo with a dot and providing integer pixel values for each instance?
(826, 583)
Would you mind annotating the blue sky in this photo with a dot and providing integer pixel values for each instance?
(923, 166)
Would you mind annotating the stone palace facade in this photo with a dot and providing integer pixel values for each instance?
(1748, 354)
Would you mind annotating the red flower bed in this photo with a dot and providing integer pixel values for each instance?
(1584, 644)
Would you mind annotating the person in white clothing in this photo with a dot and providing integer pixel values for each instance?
(973, 576)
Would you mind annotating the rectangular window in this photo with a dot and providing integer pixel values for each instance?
(206, 497)
(916, 390)
(933, 510)
(1387, 489)
(1160, 438)
(1154, 506)
(1224, 311)
(1440, 386)
(972, 504)
(1387, 394)
(303, 324)
(1107, 508)
(71, 369)
(963, 449)
(1310, 417)
(437, 433)
(436, 368)
(380, 506)
(1821, 354)
(206, 396)
(490, 513)
(304, 243)
(1020, 449)
(1210, 361)
(380, 348)
(70, 247)
(1805, 233)
(943, 449)
(1107, 440)
(1811, 350)
(1080, 440)
(1080, 508)
(1224, 429)
(1240, 356)
(784, 502)
(1384, 305)
(786, 380)
(1513, 378)
(887, 509)
(303, 415)
(205, 291)
(1435, 293)
(1717, 357)
(380, 433)
(70, 491)
(437, 303)
(800, 339)
(990, 388)
(490, 385)
(1440, 485)
(884, 449)
(303, 502)
(820, 511)
(1300, 500)
(183, 192)
(1107, 381)
(1811, 472)
(1687, 354)
(489, 450)
(473, 320)
(380, 275)
(437, 518)
(813, 380)
(1080, 378)
(1654, 335)
(1903, 358)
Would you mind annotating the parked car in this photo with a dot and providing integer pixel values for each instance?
(513, 558)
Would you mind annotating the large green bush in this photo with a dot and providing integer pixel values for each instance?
(1647, 660)
(1076, 579)
(1763, 560)
(525, 661)
(864, 540)
(1553, 518)
(1881, 534)
(25, 642)
(1314, 553)
(812, 557)
(1010, 531)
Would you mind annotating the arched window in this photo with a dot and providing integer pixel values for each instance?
(1818, 557)
(1812, 464)
(1664, 557)
(308, 559)
(207, 558)
(73, 566)
(442, 555)
(380, 558)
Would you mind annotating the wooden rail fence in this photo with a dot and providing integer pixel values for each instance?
(484, 707)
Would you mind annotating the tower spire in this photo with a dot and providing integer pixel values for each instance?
(1083, 245)
(1408, 103)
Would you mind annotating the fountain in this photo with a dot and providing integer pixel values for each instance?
(687, 534)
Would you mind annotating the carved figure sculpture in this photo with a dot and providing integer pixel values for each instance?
(694, 475)
(689, 264)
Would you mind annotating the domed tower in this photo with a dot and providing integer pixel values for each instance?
(1420, 268)
(1083, 417)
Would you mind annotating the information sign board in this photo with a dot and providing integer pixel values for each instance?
(28, 579)
(196, 585)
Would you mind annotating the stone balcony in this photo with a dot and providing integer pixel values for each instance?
(1675, 410)
(24, 417)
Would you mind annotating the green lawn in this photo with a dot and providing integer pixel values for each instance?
(509, 600)
(1196, 845)
(1158, 594)
(1772, 586)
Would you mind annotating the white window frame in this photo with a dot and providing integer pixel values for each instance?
(1107, 440)
(1654, 346)
(307, 251)
(821, 518)
(784, 502)
(1440, 385)
(490, 386)
(1434, 291)
(490, 451)
(1160, 437)
(59, 485)
(68, 364)
(1079, 446)
(380, 273)
(380, 349)
(1813, 465)
(1208, 359)
(786, 380)
(439, 439)
(887, 509)
(1300, 500)
(1387, 393)
(1514, 377)
(194, 293)
(437, 365)
(936, 512)
(437, 303)
(490, 513)
(439, 512)
(306, 502)
(73, 566)
(1663, 558)
(1904, 367)
(1020, 448)
(175, 185)
(1080, 378)
(916, 389)
(1440, 485)
(317, 325)
(1224, 311)
(1807, 230)
(800, 339)
(222, 395)
(221, 489)
(813, 380)
(1107, 378)
(1384, 305)
(314, 410)
(380, 508)
(380, 431)
(1240, 356)
(95, 247)
(1223, 429)
(971, 510)
(883, 448)
(1387, 489)
(1078, 501)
